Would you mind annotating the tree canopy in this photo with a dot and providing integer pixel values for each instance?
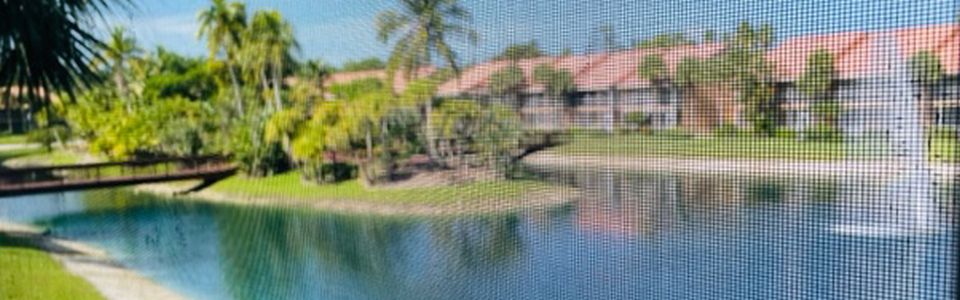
(520, 51)
(55, 44)
(421, 32)
(370, 63)
(665, 40)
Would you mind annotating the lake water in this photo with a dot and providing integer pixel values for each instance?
(629, 236)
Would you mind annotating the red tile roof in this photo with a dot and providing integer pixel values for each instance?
(789, 59)
(671, 59)
(471, 79)
(853, 53)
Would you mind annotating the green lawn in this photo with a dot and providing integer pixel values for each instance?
(13, 138)
(289, 185)
(27, 273)
(11, 154)
(942, 150)
(51, 158)
(715, 147)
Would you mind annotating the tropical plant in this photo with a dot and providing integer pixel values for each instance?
(119, 49)
(746, 66)
(421, 29)
(222, 24)
(268, 42)
(665, 40)
(508, 84)
(325, 132)
(818, 78)
(464, 126)
(47, 46)
(927, 72)
(366, 64)
(817, 83)
(653, 69)
(558, 84)
(316, 72)
(520, 51)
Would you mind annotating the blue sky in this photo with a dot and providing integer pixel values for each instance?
(339, 30)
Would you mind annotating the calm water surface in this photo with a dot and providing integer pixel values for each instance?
(629, 237)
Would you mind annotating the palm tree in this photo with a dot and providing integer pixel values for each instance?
(317, 72)
(558, 84)
(653, 69)
(817, 83)
(269, 40)
(222, 24)
(927, 72)
(508, 83)
(47, 46)
(688, 76)
(421, 29)
(117, 52)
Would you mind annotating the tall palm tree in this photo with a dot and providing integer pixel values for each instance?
(269, 41)
(47, 46)
(927, 72)
(116, 53)
(558, 84)
(421, 29)
(317, 72)
(652, 68)
(817, 83)
(222, 24)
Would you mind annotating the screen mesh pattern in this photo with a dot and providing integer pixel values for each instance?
(467, 149)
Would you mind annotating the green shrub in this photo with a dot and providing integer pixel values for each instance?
(785, 133)
(944, 132)
(727, 130)
(337, 172)
(674, 133)
(823, 133)
(639, 121)
(47, 136)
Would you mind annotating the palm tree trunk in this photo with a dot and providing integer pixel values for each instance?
(428, 132)
(276, 89)
(8, 105)
(122, 90)
(237, 101)
(368, 140)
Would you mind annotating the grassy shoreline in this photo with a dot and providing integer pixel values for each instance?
(726, 148)
(27, 272)
(286, 190)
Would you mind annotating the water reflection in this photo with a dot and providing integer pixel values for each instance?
(631, 235)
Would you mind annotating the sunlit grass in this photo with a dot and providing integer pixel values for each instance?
(941, 149)
(27, 273)
(289, 185)
(711, 147)
(13, 139)
(40, 157)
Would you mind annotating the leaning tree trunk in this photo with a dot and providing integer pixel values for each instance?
(122, 90)
(276, 87)
(428, 132)
(8, 104)
(237, 100)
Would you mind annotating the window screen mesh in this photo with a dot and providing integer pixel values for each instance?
(443, 149)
